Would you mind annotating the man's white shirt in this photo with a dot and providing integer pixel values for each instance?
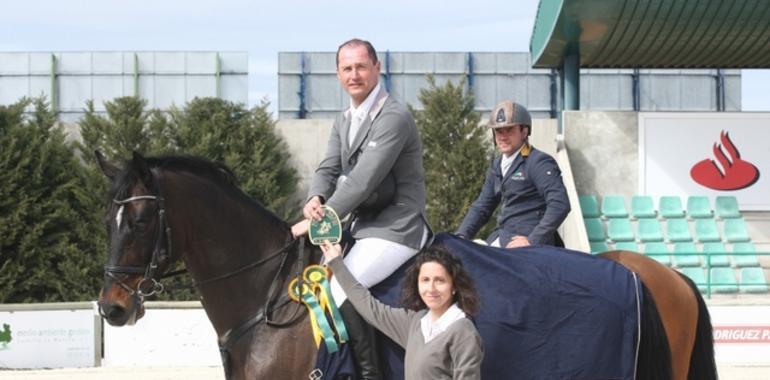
(358, 115)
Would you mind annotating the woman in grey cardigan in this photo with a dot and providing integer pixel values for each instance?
(440, 340)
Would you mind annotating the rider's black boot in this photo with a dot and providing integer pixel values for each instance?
(363, 341)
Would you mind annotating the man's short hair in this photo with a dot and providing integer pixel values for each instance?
(358, 42)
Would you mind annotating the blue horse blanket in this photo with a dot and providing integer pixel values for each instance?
(546, 312)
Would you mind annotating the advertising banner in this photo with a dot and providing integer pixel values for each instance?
(48, 338)
(741, 334)
(711, 154)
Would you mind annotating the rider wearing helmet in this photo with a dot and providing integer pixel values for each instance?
(524, 181)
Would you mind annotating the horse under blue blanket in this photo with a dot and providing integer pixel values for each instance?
(546, 313)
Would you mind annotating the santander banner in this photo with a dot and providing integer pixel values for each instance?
(711, 154)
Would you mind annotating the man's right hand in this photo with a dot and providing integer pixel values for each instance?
(313, 209)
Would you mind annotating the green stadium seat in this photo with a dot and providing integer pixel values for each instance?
(677, 230)
(614, 206)
(649, 230)
(659, 252)
(724, 278)
(698, 276)
(595, 229)
(620, 230)
(698, 207)
(599, 247)
(627, 246)
(686, 255)
(589, 206)
(706, 230)
(670, 207)
(735, 230)
(642, 207)
(718, 255)
(744, 255)
(727, 207)
(753, 280)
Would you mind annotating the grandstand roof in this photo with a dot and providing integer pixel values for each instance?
(653, 33)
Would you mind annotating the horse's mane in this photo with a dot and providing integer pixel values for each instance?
(215, 172)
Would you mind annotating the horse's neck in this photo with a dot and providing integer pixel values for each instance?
(215, 235)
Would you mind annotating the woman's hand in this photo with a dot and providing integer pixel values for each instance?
(331, 251)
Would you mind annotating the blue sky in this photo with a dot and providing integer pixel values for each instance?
(263, 28)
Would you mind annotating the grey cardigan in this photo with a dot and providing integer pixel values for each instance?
(453, 354)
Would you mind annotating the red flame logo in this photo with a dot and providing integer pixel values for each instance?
(732, 173)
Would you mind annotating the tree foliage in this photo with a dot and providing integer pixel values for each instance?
(456, 152)
(49, 242)
(211, 128)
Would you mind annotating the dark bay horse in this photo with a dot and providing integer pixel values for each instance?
(241, 257)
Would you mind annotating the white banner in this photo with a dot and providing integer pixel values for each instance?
(707, 154)
(741, 334)
(163, 337)
(48, 339)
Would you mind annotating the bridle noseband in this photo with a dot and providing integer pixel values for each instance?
(150, 283)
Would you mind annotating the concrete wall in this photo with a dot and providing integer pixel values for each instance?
(307, 143)
(603, 150)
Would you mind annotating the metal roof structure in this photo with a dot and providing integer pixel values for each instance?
(653, 33)
(675, 34)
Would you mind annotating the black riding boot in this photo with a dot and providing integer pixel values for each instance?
(363, 342)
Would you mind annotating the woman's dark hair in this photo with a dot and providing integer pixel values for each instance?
(465, 291)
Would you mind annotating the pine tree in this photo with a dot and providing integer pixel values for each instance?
(49, 240)
(456, 152)
(245, 140)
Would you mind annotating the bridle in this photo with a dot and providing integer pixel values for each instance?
(151, 282)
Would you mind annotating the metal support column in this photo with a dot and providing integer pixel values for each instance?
(386, 74)
(302, 87)
(720, 78)
(218, 76)
(571, 89)
(136, 75)
(636, 90)
(471, 75)
(554, 91)
(54, 95)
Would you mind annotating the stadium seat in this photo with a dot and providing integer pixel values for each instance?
(685, 255)
(706, 230)
(649, 230)
(595, 229)
(627, 246)
(642, 207)
(744, 255)
(620, 230)
(659, 252)
(599, 247)
(735, 230)
(753, 280)
(724, 278)
(718, 255)
(670, 207)
(698, 276)
(589, 206)
(677, 230)
(614, 206)
(727, 207)
(698, 207)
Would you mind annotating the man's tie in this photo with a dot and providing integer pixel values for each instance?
(355, 123)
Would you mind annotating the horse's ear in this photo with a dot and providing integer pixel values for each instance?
(139, 164)
(109, 170)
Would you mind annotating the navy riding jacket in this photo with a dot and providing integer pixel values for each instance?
(532, 198)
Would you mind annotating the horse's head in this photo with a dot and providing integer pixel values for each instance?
(139, 240)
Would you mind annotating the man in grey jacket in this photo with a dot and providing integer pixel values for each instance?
(372, 172)
(524, 181)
